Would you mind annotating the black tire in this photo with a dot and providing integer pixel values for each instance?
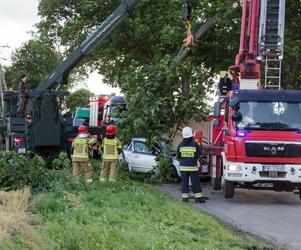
(229, 189)
(299, 188)
(216, 184)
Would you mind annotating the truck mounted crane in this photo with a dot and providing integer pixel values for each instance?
(255, 133)
(47, 130)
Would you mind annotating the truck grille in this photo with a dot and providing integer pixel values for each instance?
(273, 150)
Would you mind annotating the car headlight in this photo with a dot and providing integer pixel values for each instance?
(175, 162)
(234, 168)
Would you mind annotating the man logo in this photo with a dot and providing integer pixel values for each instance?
(273, 151)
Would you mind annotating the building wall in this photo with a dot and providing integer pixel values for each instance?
(203, 126)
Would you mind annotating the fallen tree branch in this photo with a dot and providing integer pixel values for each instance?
(185, 51)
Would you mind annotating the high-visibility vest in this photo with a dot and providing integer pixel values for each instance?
(81, 148)
(110, 149)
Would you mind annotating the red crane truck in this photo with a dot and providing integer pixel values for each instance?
(255, 134)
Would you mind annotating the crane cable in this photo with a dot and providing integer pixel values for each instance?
(189, 39)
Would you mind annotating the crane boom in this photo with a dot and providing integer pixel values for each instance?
(60, 75)
(261, 38)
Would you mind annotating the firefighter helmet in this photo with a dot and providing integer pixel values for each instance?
(111, 130)
(83, 130)
(187, 132)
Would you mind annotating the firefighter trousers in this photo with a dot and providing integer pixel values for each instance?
(86, 166)
(109, 170)
(22, 106)
(195, 181)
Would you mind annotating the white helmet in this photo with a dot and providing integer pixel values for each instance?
(187, 132)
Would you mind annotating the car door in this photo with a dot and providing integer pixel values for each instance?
(142, 161)
(128, 155)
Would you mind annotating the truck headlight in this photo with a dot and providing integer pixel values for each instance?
(233, 167)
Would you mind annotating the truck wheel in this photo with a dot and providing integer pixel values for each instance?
(299, 188)
(229, 189)
(216, 184)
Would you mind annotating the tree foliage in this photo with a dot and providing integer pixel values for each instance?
(34, 58)
(80, 98)
(143, 47)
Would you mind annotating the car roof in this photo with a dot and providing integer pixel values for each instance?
(139, 139)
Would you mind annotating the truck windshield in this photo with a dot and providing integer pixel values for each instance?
(278, 116)
(116, 112)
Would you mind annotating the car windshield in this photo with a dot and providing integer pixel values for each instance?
(280, 116)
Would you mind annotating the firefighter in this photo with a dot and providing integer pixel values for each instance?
(111, 148)
(80, 156)
(188, 154)
(23, 95)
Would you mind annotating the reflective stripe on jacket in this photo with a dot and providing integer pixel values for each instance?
(110, 149)
(80, 147)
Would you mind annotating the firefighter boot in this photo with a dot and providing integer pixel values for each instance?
(200, 200)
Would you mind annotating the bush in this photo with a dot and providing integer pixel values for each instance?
(163, 172)
(62, 161)
(17, 171)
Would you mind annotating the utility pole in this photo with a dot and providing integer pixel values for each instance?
(3, 85)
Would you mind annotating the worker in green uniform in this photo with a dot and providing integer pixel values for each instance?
(23, 95)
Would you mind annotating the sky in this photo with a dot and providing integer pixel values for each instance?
(17, 19)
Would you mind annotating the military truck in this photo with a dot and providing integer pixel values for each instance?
(46, 130)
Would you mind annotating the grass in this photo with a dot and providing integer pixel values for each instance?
(121, 215)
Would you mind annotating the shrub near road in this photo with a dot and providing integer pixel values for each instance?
(121, 215)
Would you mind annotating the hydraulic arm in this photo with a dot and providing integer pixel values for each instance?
(45, 134)
(60, 75)
(262, 38)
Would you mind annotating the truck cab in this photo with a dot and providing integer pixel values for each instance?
(113, 109)
(261, 140)
(81, 117)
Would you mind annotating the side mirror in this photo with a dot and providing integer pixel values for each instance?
(216, 123)
(217, 110)
(237, 116)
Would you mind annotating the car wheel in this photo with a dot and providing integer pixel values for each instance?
(229, 189)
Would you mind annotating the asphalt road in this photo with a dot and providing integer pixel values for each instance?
(274, 216)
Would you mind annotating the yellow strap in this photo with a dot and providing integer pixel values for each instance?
(187, 149)
(110, 142)
(185, 195)
(188, 169)
(80, 156)
(80, 141)
(106, 157)
(198, 195)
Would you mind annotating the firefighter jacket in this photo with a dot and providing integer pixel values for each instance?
(188, 153)
(81, 145)
(110, 148)
(23, 89)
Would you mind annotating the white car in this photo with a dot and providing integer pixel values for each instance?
(142, 160)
